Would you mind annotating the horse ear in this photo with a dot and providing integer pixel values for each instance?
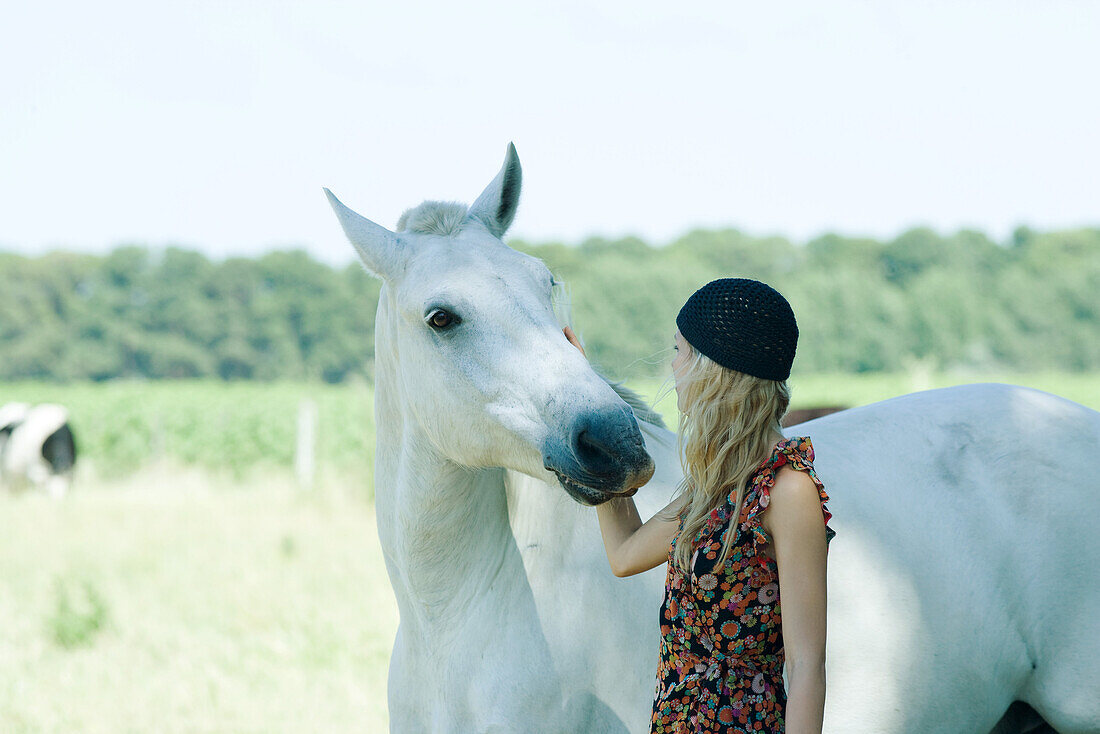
(382, 253)
(496, 207)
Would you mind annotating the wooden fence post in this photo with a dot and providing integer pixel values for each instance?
(306, 443)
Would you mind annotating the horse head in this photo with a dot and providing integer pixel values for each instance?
(469, 345)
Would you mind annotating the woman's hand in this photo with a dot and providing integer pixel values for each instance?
(574, 340)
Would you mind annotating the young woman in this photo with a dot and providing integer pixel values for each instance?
(723, 640)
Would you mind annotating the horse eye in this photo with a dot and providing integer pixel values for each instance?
(441, 319)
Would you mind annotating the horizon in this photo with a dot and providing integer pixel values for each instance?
(508, 239)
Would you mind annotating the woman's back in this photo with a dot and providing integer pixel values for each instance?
(720, 666)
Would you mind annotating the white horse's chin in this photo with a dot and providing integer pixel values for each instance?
(589, 496)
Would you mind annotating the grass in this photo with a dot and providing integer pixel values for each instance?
(172, 603)
(233, 427)
(80, 612)
(241, 428)
(196, 589)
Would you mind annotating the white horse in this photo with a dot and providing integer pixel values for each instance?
(963, 584)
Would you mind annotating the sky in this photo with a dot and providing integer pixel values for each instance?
(214, 125)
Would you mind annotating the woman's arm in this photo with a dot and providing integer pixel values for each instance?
(633, 546)
(795, 524)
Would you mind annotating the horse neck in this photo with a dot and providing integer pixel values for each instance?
(443, 527)
(549, 528)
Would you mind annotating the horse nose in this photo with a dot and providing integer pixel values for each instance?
(606, 447)
(594, 450)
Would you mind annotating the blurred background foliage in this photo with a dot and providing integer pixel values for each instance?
(958, 301)
(167, 358)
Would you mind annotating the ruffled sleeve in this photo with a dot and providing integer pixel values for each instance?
(797, 451)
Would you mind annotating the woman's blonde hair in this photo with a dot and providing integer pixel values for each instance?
(728, 425)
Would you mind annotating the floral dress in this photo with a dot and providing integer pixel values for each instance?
(720, 667)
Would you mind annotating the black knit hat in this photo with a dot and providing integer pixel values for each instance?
(741, 324)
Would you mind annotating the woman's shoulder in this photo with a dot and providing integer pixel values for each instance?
(797, 451)
(791, 478)
(791, 463)
(794, 479)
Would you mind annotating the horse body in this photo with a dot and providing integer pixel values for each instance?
(966, 512)
(962, 578)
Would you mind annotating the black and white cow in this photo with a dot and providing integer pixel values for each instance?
(37, 448)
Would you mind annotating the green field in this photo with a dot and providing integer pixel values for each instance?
(187, 584)
(237, 429)
(169, 603)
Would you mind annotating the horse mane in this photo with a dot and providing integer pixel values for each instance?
(444, 218)
(642, 410)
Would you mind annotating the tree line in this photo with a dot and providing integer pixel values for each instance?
(947, 301)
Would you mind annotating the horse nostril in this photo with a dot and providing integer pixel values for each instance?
(588, 444)
(602, 447)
